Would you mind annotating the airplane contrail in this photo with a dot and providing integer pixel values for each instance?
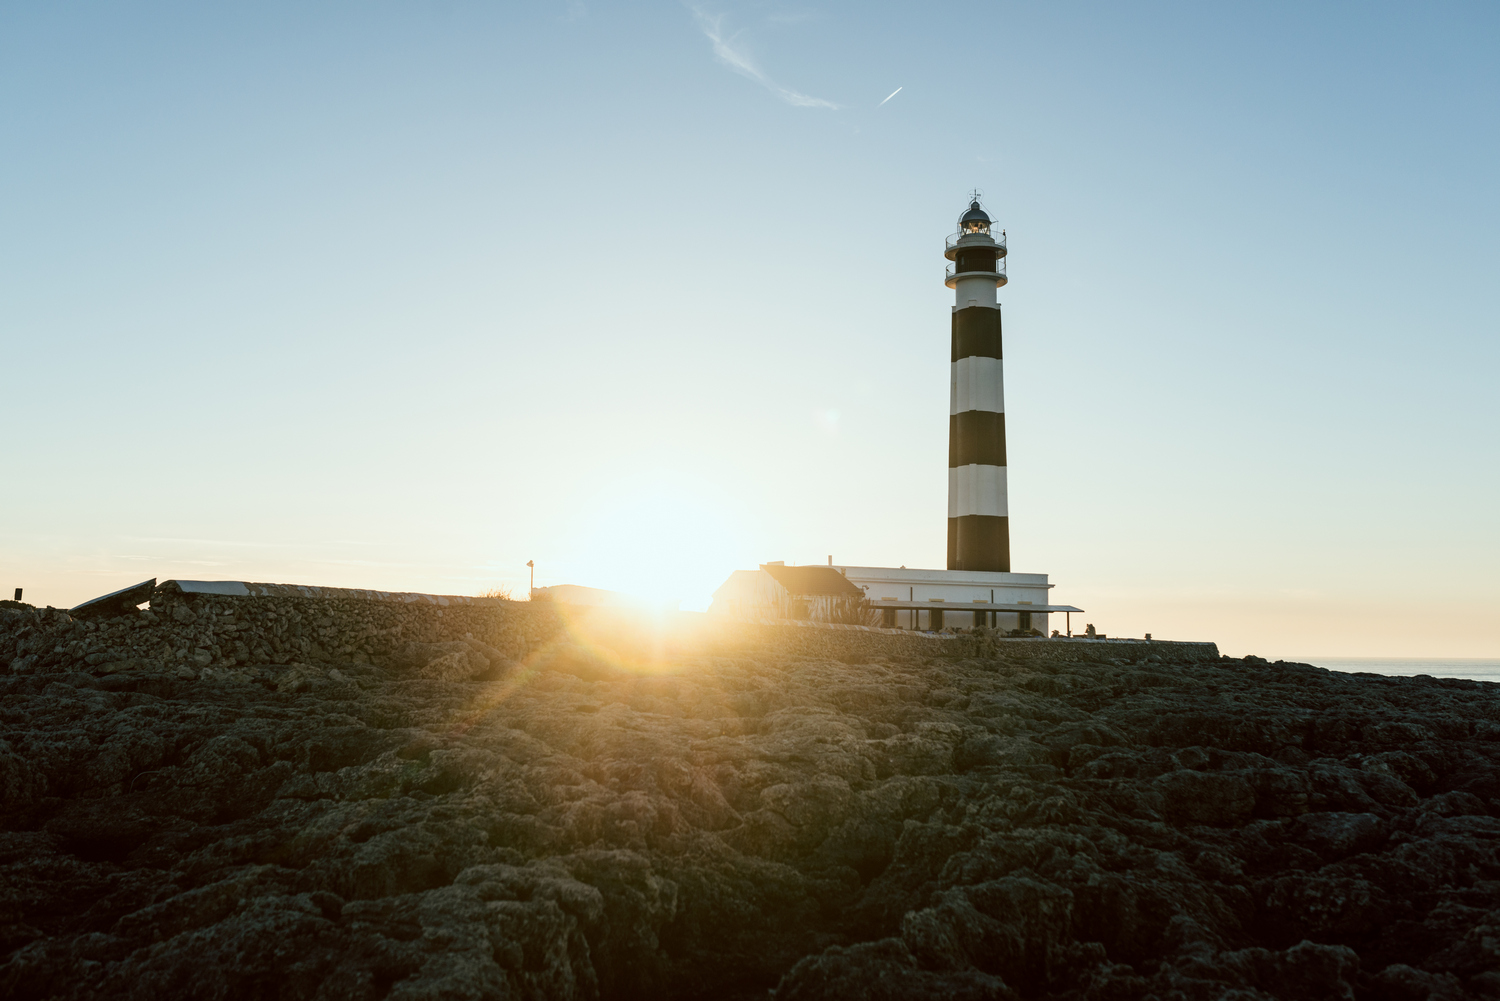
(893, 94)
(741, 63)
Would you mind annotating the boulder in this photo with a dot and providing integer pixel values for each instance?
(406, 799)
(1191, 797)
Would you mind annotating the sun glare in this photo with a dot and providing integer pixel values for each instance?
(662, 543)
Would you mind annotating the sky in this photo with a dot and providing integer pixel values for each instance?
(404, 295)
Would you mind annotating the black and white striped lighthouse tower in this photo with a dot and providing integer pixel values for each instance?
(978, 519)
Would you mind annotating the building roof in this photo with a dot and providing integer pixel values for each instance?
(577, 594)
(975, 214)
(812, 581)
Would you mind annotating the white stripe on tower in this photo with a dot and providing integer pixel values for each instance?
(976, 489)
(978, 384)
(978, 514)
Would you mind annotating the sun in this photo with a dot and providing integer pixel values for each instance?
(662, 541)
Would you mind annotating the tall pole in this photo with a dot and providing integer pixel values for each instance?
(532, 590)
(978, 515)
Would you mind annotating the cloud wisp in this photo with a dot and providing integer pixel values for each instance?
(891, 95)
(741, 63)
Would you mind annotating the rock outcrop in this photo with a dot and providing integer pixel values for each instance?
(529, 812)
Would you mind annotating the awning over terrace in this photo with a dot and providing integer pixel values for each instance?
(973, 606)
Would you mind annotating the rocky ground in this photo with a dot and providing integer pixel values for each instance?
(1107, 824)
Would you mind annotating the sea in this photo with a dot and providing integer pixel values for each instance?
(1474, 670)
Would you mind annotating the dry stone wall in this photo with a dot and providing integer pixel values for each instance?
(845, 642)
(831, 641)
(203, 634)
(1040, 652)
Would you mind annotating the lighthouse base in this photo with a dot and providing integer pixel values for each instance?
(979, 542)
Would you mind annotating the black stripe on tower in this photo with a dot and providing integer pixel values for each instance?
(979, 542)
(976, 437)
(976, 332)
(976, 259)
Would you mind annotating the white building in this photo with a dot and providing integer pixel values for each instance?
(937, 599)
(893, 597)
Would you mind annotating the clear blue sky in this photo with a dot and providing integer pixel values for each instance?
(404, 295)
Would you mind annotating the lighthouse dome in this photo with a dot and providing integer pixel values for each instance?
(975, 220)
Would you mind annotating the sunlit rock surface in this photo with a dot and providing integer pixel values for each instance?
(732, 819)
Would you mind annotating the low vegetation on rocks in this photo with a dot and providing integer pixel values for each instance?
(577, 811)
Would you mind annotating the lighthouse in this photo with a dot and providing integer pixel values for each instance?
(978, 588)
(978, 518)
